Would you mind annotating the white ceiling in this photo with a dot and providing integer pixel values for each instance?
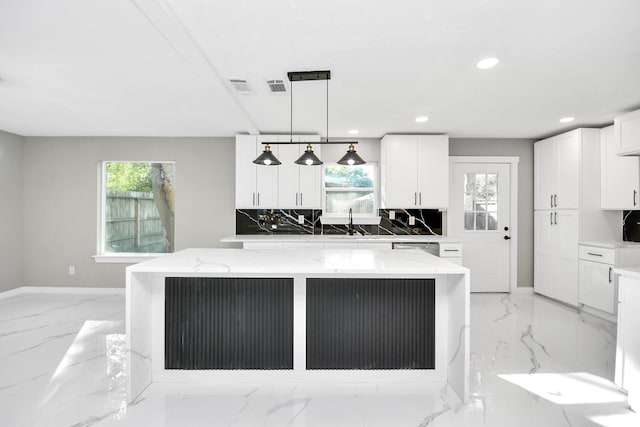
(160, 67)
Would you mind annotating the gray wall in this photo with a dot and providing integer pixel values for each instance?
(522, 148)
(61, 201)
(11, 161)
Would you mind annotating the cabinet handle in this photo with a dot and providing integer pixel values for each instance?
(415, 198)
(555, 216)
(258, 199)
(300, 199)
(551, 218)
(610, 271)
(635, 193)
(551, 201)
(451, 250)
(296, 199)
(420, 198)
(592, 254)
(555, 200)
(254, 199)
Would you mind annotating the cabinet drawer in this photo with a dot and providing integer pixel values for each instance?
(450, 250)
(590, 253)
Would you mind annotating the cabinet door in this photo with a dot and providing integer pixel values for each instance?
(627, 133)
(433, 171)
(267, 178)
(545, 158)
(399, 171)
(310, 182)
(620, 175)
(568, 171)
(597, 286)
(564, 241)
(245, 172)
(543, 253)
(288, 176)
(628, 347)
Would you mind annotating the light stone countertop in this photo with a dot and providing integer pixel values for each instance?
(322, 238)
(370, 262)
(613, 244)
(633, 272)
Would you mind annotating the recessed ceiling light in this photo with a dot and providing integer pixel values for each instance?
(487, 63)
(422, 119)
(567, 119)
(353, 132)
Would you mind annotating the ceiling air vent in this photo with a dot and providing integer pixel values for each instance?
(277, 86)
(241, 86)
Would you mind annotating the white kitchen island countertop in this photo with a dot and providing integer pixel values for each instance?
(145, 323)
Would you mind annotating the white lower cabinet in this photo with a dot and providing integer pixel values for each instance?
(628, 344)
(598, 286)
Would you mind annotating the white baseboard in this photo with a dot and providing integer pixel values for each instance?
(523, 290)
(61, 290)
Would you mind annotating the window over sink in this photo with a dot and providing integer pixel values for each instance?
(349, 187)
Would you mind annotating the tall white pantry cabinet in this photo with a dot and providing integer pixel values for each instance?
(567, 210)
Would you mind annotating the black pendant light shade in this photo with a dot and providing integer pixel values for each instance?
(267, 158)
(308, 158)
(351, 158)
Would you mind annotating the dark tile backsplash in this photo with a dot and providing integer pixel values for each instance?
(277, 221)
(631, 226)
(285, 221)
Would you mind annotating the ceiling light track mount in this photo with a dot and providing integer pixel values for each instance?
(308, 158)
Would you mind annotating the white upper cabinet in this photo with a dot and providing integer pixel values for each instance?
(299, 187)
(620, 175)
(627, 133)
(256, 186)
(286, 186)
(557, 170)
(414, 171)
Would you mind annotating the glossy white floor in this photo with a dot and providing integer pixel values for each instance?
(534, 363)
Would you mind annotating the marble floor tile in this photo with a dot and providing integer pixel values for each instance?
(533, 363)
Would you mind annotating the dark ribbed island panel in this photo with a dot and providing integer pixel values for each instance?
(370, 323)
(228, 323)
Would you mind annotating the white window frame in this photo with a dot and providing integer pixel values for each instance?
(116, 257)
(376, 194)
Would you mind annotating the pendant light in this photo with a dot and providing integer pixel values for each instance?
(351, 158)
(267, 158)
(308, 158)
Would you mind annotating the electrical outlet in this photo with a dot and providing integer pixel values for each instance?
(301, 219)
(412, 220)
(72, 270)
(392, 214)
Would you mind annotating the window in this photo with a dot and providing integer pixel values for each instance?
(480, 201)
(348, 187)
(138, 207)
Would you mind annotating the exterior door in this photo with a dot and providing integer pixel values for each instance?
(480, 215)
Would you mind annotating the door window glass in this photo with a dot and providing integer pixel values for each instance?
(481, 201)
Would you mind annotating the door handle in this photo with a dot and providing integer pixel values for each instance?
(555, 200)
(507, 237)
(555, 215)
(610, 271)
(551, 201)
(550, 218)
(635, 193)
(415, 198)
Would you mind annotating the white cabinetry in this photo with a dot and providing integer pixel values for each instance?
(557, 162)
(567, 202)
(414, 171)
(299, 186)
(598, 284)
(628, 344)
(627, 133)
(286, 186)
(620, 175)
(256, 186)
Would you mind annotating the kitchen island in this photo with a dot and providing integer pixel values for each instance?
(297, 315)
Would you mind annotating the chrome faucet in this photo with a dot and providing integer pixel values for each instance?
(350, 228)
